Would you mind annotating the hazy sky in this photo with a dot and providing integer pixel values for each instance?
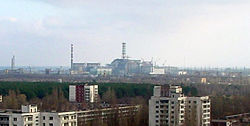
(179, 32)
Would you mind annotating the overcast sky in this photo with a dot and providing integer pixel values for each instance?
(187, 33)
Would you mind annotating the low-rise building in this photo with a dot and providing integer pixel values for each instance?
(84, 117)
(232, 120)
(221, 122)
(27, 116)
(157, 71)
(30, 116)
(58, 119)
(104, 71)
(182, 73)
(203, 80)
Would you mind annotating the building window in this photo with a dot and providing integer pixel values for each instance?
(164, 101)
(43, 124)
(43, 117)
(51, 124)
(65, 117)
(29, 118)
(15, 119)
(50, 118)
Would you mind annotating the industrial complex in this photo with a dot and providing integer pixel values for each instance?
(124, 69)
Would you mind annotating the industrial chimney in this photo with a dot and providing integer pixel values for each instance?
(123, 50)
(72, 56)
(13, 63)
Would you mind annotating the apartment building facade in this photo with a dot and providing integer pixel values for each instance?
(169, 107)
(83, 93)
(84, 117)
(58, 119)
(30, 116)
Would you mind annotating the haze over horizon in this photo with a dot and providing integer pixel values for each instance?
(181, 33)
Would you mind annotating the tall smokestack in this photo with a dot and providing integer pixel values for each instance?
(123, 50)
(72, 52)
(13, 63)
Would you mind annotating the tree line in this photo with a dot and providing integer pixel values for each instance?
(42, 89)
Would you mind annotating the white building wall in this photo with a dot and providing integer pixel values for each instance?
(42, 119)
(152, 111)
(72, 93)
(104, 71)
(157, 91)
(157, 71)
(58, 119)
(24, 119)
(29, 108)
(1, 98)
(91, 93)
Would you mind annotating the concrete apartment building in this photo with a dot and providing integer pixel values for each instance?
(30, 116)
(83, 93)
(169, 107)
(104, 114)
(58, 119)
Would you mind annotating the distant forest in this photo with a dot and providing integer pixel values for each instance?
(41, 89)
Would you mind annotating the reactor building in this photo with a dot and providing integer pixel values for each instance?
(129, 67)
